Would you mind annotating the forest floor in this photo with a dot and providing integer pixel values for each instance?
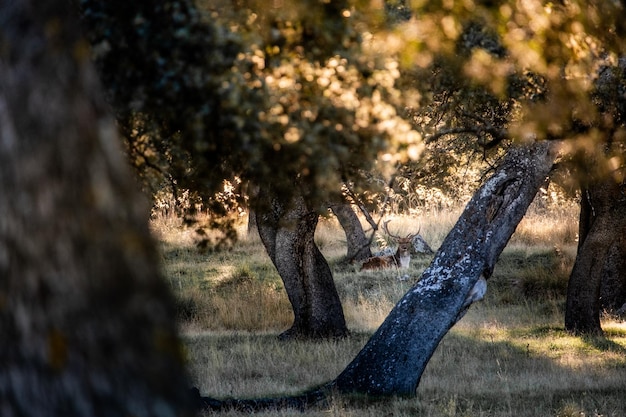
(508, 357)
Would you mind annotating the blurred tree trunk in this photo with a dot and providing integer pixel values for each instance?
(287, 230)
(598, 279)
(86, 322)
(358, 245)
(393, 360)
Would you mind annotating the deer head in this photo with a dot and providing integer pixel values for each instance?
(404, 243)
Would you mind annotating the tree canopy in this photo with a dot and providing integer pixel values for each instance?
(325, 92)
(261, 93)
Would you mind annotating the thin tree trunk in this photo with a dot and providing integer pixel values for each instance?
(86, 323)
(393, 360)
(287, 230)
(598, 278)
(358, 245)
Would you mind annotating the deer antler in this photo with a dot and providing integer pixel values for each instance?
(386, 229)
(412, 235)
(408, 237)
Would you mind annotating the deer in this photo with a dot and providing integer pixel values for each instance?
(402, 257)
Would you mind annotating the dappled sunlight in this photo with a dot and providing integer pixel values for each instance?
(614, 328)
(498, 361)
(578, 353)
(168, 230)
(220, 274)
(553, 343)
(184, 269)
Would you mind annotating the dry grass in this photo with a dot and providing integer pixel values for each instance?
(509, 356)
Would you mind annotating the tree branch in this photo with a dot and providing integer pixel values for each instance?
(479, 131)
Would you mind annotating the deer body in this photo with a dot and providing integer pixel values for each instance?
(400, 259)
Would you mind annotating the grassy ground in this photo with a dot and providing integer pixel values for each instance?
(509, 356)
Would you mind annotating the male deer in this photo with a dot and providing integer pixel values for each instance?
(400, 259)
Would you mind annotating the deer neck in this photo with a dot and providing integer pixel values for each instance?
(402, 259)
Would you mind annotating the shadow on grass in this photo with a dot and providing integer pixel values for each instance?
(605, 344)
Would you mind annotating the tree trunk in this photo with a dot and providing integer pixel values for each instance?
(287, 230)
(86, 322)
(613, 285)
(393, 360)
(598, 278)
(358, 245)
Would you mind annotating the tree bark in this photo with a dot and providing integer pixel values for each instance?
(358, 245)
(598, 278)
(393, 360)
(287, 230)
(86, 322)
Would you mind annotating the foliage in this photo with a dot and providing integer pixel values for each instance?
(317, 91)
(490, 75)
(259, 93)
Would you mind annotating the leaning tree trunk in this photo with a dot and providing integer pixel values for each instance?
(393, 360)
(598, 278)
(86, 323)
(358, 245)
(287, 230)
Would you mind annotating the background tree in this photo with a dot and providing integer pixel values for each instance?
(86, 322)
(393, 360)
(357, 243)
(598, 280)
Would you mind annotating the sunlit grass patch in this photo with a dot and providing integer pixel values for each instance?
(550, 341)
(497, 366)
(613, 328)
(242, 298)
(531, 274)
(366, 314)
(555, 227)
